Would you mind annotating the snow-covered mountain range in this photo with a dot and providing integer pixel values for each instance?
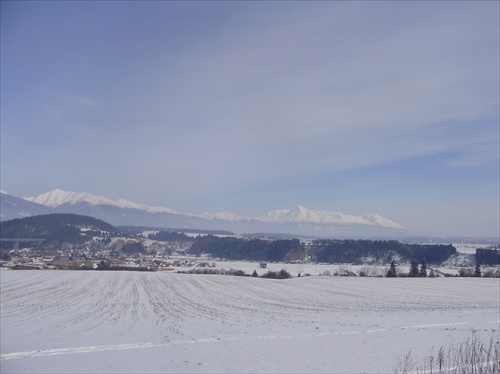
(56, 198)
(123, 212)
(301, 214)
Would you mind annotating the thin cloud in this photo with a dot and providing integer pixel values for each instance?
(196, 101)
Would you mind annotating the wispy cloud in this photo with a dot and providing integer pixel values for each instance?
(200, 100)
(262, 91)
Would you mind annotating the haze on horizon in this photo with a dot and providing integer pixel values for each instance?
(357, 107)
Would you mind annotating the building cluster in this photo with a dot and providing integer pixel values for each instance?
(105, 259)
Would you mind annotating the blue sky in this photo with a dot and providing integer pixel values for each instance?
(358, 107)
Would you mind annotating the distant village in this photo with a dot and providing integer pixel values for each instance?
(123, 253)
(29, 259)
(112, 254)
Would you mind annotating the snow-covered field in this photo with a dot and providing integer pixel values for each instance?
(451, 267)
(84, 321)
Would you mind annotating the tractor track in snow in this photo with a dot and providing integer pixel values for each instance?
(149, 345)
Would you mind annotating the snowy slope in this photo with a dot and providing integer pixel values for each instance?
(57, 197)
(110, 322)
(301, 214)
(13, 207)
(224, 216)
(382, 221)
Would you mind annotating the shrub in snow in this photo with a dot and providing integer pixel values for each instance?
(234, 272)
(473, 356)
(466, 272)
(413, 269)
(477, 271)
(237, 273)
(392, 273)
(423, 270)
(282, 274)
(372, 271)
(491, 273)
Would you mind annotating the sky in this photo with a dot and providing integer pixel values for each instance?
(358, 107)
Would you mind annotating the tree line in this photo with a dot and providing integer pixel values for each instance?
(167, 236)
(486, 256)
(357, 251)
(324, 250)
(244, 249)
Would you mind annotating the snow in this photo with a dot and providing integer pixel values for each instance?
(382, 221)
(225, 216)
(59, 197)
(302, 214)
(469, 248)
(450, 267)
(90, 321)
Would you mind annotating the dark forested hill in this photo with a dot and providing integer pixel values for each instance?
(327, 251)
(56, 228)
(358, 251)
(245, 249)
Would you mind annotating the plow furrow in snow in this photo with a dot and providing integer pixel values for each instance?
(116, 347)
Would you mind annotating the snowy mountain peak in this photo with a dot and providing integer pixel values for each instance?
(224, 216)
(59, 197)
(64, 200)
(302, 214)
(382, 221)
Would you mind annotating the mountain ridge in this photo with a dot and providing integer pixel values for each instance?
(121, 212)
(58, 197)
